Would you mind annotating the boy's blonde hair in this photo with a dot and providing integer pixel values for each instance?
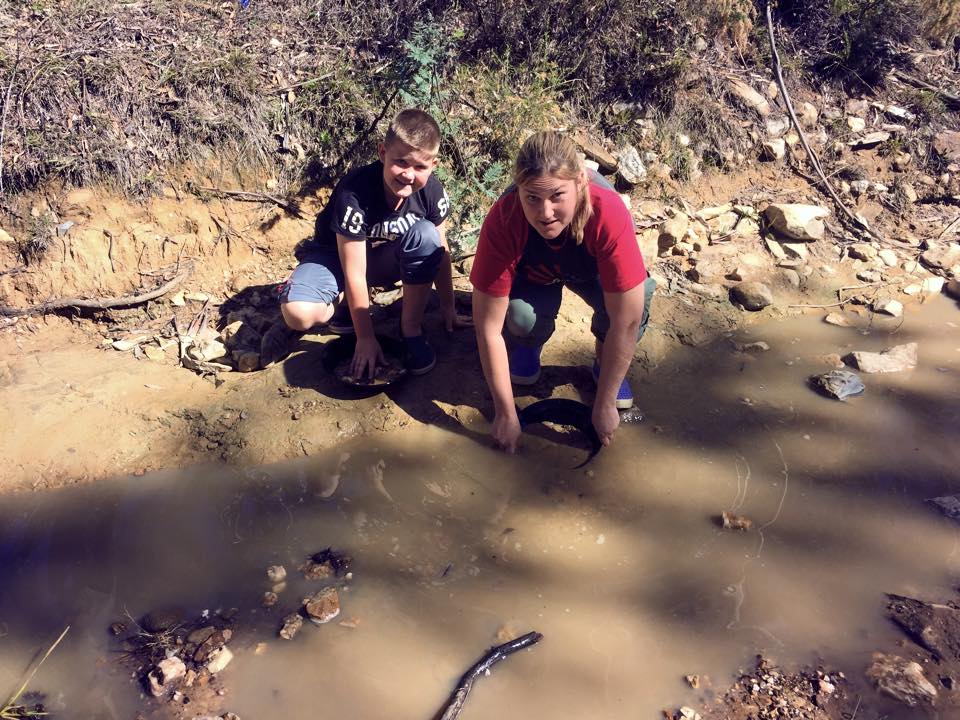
(416, 129)
(550, 153)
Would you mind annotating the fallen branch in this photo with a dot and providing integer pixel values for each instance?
(451, 711)
(814, 160)
(949, 228)
(103, 304)
(949, 97)
(247, 196)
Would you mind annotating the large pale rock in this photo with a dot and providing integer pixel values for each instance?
(752, 295)
(901, 679)
(165, 675)
(891, 307)
(630, 167)
(797, 221)
(774, 149)
(888, 257)
(941, 257)
(895, 359)
(856, 124)
(673, 231)
(869, 140)
(750, 97)
(862, 251)
(219, 660)
(595, 151)
(808, 115)
(5, 237)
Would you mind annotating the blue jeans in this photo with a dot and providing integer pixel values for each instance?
(414, 258)
(532, 312)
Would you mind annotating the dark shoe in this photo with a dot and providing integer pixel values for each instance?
(277, 343)
(624, 393)
(419, 357)
(524, 364)
(341, 323)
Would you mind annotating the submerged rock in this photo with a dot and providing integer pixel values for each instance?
(165, 675)
(839, 384)
(291, 626)
(895, 359)
(322, 607)
(901, 679)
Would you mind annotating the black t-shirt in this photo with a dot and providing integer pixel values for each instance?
(545, 262)
(357, 209)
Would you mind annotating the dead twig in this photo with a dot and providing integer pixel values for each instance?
(247, 196)
(949, 228)
(948, 97)
(103, 304)
(814, 160)
(451, 711)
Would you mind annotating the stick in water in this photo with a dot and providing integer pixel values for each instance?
(451, 711)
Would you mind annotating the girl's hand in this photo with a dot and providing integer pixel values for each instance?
(506, 431)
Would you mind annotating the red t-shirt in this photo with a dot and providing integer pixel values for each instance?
(509, 244)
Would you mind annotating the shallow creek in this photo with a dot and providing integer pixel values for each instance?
(621, 565)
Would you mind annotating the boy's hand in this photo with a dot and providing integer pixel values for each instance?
(367, 355)
(452, 320)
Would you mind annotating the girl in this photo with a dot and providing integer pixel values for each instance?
(555, 227)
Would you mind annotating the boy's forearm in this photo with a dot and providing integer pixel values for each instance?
(358, 300)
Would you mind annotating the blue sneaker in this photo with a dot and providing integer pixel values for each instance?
(624, 393)
(418, 356)
(524, 364)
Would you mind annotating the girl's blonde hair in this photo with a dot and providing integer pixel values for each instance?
(550, 153)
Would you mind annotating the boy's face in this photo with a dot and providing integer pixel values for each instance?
(405, 169)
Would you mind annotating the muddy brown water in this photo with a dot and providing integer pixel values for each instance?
(620, 565)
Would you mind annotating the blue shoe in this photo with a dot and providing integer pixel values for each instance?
(624, 393)
(418, 357)
(524, 364)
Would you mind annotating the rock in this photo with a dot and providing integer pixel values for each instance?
(947, 145)
(592, 165)
(775, 248)
(860, 187)
(729, 521)
(201, 635)
(934, 626)
(207, 350)
(750, 97)
(941, 257)
(913, 289)
(795, 250)
(162, 678)
(630, 167)
(949, 505)
(777, 127)
(276, 573)
(808, 115)
(758, 346)
(80, 196)
(154, 353)
(862, 251)
(219, 660)
(838, 384)
(889, 306)
(953, 289)
(838, 319)
(792, 277)
(739, 273)
(909, 193)
(895, 359)
(796, 221)
(246, 360)
(856, 124)
(888, 257)
(595, 151)
(291, 626)
(161, 619)
(216, 640)
(752, 295)
(870, 140)
(902, 161)
(673, 231)
(775, 149)
(932, 285)
(711, 213)
(322, 607)
(901, 679)
(869, 276)
(270, 599)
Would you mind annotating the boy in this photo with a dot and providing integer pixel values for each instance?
(383, 223)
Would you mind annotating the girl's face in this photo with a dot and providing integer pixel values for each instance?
(549, 203)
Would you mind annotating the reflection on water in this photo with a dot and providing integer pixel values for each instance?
(621, 565)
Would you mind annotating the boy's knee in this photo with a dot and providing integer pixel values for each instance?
(521, 318)
(420, 252)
